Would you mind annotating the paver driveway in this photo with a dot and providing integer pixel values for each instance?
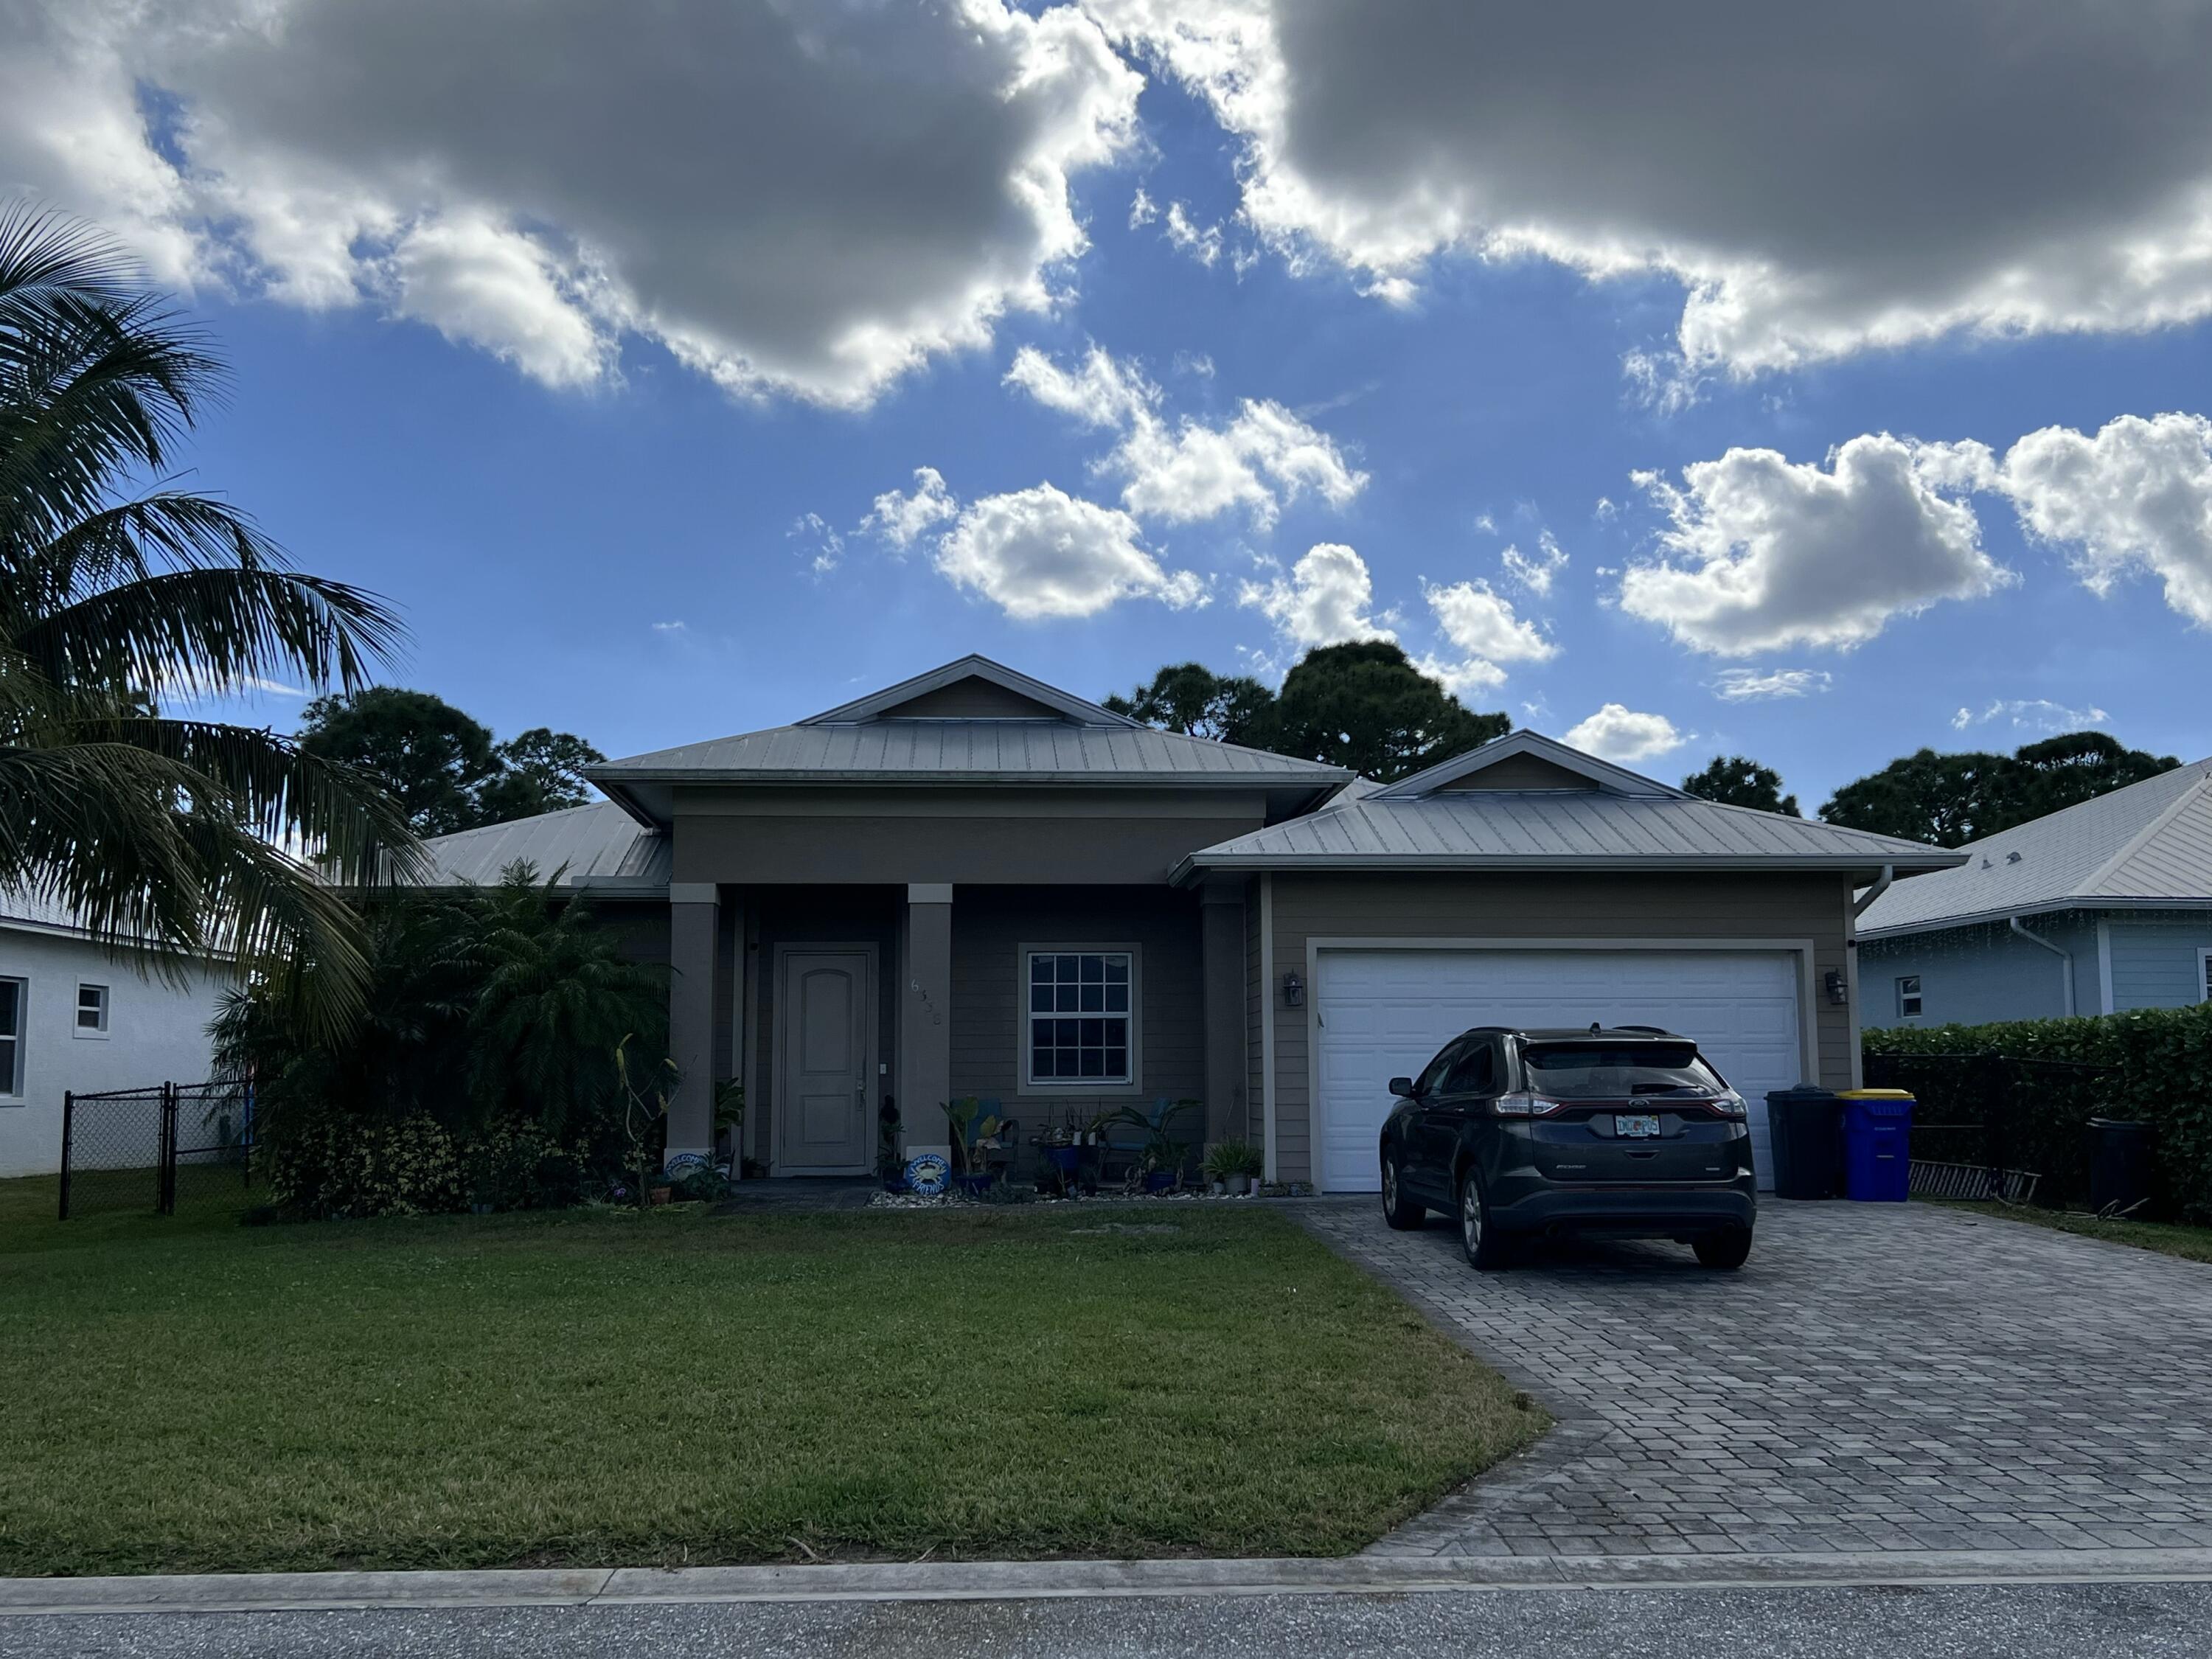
(1877, 1377)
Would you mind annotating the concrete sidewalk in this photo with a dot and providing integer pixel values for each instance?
(1063, 1580)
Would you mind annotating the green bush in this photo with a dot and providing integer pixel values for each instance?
(2163, 1076)
(328, 1167)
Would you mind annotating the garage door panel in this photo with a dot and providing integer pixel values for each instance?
(1385, 1013)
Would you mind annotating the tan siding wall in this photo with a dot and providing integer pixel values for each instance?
(989, 928)
(1625, 906)
(1521, 772)
(1255, 990)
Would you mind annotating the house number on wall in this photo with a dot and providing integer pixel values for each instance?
(928, 1003)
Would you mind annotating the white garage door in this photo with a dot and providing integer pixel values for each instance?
(1385, 1013)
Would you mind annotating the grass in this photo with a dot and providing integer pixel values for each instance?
(604, 1387)
(2166, 1237)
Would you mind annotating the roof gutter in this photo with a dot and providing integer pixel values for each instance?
(1880, 886)
(2065, 957)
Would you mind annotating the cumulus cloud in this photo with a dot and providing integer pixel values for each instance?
(2006, 179)
(1623, 734)
(809, 200)
(899, 518)
(1762, 552)
(1748, 685)
(1534, 572)
(2031, 715)
(1328, 599)
(1041, 553)
(1485, 633)
(1185, 470)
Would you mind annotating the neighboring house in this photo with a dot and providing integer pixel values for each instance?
(2100, 907)
(973, 884)
(74, 1017)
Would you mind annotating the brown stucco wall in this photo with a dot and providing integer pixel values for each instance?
(1596, 906)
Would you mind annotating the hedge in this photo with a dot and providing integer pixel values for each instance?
(2163, 1076)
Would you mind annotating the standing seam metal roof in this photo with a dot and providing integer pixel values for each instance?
(601, 845)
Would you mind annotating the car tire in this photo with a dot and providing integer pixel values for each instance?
(1727, 1250)
(1486, 1249)
(1399, 1212)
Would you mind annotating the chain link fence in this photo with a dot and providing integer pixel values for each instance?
(155, 1147)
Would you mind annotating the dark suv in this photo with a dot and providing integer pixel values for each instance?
(1624, 1130)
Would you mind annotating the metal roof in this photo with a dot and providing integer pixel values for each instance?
(602, 846)
(1081, 710)
(1602, 774)
(2147, 845)
(1579, 829)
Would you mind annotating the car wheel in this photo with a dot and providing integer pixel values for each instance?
(1728, 1249)
(1485, 1248)
(1398, 1210)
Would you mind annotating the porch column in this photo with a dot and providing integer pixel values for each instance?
(1221, 953)
(694, 911)
(925, 1064)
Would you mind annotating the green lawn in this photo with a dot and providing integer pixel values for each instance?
(2167, 1238)
(605, 1388)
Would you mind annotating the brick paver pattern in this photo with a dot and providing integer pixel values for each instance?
(1878, 1378)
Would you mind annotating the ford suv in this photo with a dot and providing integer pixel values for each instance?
(1622, 1130)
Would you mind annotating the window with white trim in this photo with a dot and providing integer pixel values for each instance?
(2204, 976)
(1081, 1023)
(91, 1010)
(14, 1002)
(1908, 996)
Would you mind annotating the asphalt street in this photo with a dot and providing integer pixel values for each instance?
(2145, 1621)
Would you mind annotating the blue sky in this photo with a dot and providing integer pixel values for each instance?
(624, 527)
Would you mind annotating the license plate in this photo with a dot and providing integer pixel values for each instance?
(1635, 1126)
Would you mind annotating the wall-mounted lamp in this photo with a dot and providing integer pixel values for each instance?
(1837, 993)
(1294, 991)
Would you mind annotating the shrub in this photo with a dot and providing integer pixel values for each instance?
(2162, 1061)
(329, 1168)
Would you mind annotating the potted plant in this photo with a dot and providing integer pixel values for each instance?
(973, 1133)
(1231, 1164)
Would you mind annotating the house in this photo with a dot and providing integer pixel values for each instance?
(975, 883)
(74, 1017)
(2102, 907)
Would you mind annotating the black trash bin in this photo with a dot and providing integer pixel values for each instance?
(1806, 1128)
(2120, 1165)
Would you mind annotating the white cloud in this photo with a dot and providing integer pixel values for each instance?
(670, 627)
(1201, 242)
(1261, 458)
(1763, 553)
(1142, 210)
(1618, 734)
(1328, 599)
(1039, 552)
(2031, 715)
(899, 519)
(1485, 634)
(810, 200)
(819, 543)
(1748, 685)
(2006, 180)
(2138, 496)
(1535, 571)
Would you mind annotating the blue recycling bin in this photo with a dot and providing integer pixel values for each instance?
(1877, 1145)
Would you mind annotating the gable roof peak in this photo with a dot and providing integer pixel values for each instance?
(1052, 702)
(1602, 774)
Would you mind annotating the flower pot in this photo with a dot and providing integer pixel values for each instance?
(975, 1185)
(1066, 1160)
(659, 1194)
(1239, 1185)
(1159, 1181)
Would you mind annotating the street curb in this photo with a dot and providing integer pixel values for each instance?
(1055, 1580)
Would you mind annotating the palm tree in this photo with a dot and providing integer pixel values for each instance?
(120, 592)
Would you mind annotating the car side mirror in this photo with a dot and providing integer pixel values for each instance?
(1402, 1087)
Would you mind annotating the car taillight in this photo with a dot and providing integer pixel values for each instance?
(1526, 1105)
(1728, 1104)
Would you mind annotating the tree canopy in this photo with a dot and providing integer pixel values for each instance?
(123, 598)
(1364, 705)
(441, 766)
(1740, 780)
(1950, 800)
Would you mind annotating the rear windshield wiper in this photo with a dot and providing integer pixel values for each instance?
(1666, 1088)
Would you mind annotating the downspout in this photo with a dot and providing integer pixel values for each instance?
(1880, 886)
(2066, 957)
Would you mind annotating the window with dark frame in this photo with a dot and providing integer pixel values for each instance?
(1908, 996)
(92, 1009)
(12, 999)
(1079, 1017)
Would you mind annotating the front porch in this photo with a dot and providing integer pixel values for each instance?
(850, 1014)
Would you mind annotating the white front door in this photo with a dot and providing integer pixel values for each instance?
(824, 1061)
(1385, 1013)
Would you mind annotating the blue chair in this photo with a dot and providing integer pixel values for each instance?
(1128, 1133)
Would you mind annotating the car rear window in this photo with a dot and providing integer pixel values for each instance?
(1603, 1071)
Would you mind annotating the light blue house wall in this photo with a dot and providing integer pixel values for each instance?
(1972, 976)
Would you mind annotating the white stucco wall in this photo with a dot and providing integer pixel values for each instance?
(156, 1033)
